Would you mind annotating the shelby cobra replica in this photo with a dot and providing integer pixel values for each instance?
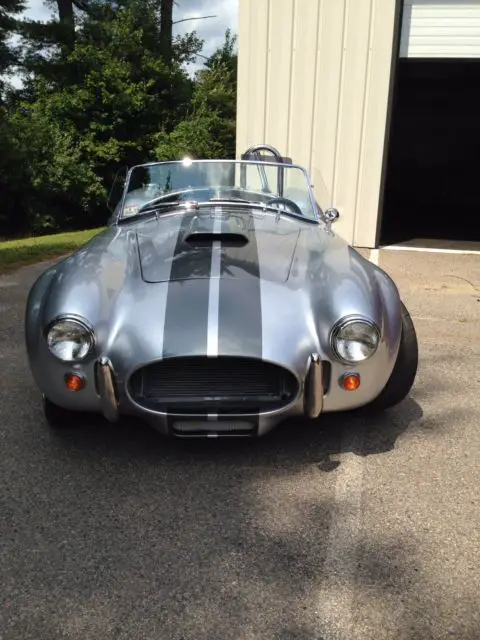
(218, 302)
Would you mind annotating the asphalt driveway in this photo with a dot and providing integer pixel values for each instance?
(351, 530)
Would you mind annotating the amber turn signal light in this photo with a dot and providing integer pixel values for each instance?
(74, 382)
(350, 381)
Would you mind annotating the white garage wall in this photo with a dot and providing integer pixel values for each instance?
(314, 78)
(440, 29)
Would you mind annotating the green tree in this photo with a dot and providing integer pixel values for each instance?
(209, 130)
(62, 184)
(9, 10)
(93, 108)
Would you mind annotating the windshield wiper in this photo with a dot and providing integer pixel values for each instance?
(152, 207)
(155, 204)
(232, 199)
(257, 204)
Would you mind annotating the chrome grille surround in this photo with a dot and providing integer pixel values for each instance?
(200, 385)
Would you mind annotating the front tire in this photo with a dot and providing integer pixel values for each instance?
(57, 417)
(405, 370)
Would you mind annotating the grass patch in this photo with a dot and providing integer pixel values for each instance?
(18, 253)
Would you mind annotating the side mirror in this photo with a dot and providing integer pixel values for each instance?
(331, 215)
(116, 191)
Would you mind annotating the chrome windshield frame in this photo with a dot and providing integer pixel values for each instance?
(259, 163)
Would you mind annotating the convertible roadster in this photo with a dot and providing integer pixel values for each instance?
(218, 302)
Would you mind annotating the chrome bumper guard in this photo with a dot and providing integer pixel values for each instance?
(313, 399)
(106, 388)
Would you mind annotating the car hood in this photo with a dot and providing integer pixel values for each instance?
(181, 246)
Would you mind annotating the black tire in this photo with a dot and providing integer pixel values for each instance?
(57, 417)
(404, 372)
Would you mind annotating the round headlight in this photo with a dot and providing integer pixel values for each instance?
(355, 340)
(69, 339)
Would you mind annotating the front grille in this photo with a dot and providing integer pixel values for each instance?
(200, 385)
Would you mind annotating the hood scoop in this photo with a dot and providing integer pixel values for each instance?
(206, 239)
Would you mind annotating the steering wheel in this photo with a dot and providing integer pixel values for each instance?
(285, 201)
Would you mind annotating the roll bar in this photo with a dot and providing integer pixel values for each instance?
(253, 153)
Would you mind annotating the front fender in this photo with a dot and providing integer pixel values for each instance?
(46, 370)
(368, 291)
(34, 307)
(392, 313)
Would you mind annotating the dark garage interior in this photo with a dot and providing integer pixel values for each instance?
(432, 180)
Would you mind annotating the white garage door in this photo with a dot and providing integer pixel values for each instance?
(440, 29)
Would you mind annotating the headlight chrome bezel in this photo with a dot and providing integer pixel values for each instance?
(80, 323)
(341, 325)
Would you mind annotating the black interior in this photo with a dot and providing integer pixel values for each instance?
(432, 186)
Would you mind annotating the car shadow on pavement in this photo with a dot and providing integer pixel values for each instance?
(295, 442)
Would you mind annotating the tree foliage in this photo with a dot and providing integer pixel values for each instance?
(102, 89)
(209, 130)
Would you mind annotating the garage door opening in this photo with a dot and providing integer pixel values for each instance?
(432, 181)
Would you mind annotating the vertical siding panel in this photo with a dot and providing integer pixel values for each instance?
(268, 56)
(316, 66)
(302, 91)
(375, 121)
(351, 113)
(291, 92)
(365, 102)
(252, 72)
(279, 69)
(327, 97)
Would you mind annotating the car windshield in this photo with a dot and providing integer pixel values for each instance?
(156, 186)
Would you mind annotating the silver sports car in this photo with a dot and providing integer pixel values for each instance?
(218, 302)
